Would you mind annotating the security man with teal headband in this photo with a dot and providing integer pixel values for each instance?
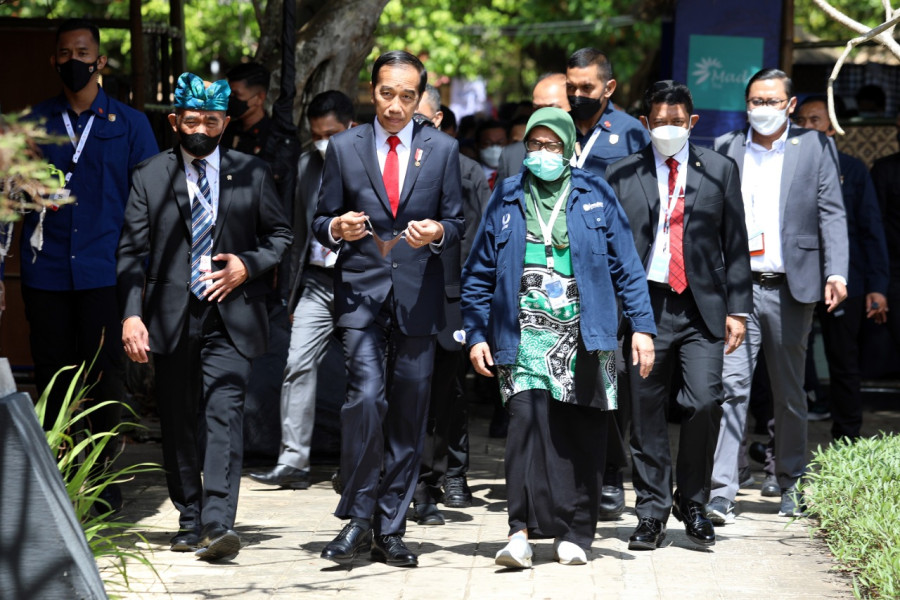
(202, 225)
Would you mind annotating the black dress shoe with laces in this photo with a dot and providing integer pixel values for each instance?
(217, 541)
(390, 549)
(648, 535)
(612, 496)
(352, 540)
(698, 528)
(428, 514)
(283, 476)
(457, 493)
(185, 541)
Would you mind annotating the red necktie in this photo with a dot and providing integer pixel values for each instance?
(677, 276)
(391, 174)
(492, 180)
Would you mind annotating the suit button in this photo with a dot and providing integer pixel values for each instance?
(395, 265)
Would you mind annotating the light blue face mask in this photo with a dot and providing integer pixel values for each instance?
(545, 165)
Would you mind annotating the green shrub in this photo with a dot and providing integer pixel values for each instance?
(79, 454)
(853, 495)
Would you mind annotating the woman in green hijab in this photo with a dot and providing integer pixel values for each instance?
(551, 257)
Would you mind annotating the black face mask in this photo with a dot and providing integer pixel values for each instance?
(583, 108)
(76, 74)
(236, 107)
(198, 144)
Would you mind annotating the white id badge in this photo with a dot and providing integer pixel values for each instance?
(60, 194)
(556, 292)
(659, 268)
(205, 263)
(756, 240)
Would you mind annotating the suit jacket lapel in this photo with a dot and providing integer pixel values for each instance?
(365, 148)
(226, 187)
(180, 189)
(647, 177)
(695, 176)
(789, 167)
(421, 143)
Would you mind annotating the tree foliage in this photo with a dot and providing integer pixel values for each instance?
(509, 43)
(815, 21)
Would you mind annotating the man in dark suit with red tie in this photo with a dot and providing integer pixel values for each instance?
(381, 181)
(686, 212)
(201, 226)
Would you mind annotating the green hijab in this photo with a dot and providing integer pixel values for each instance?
(546, 193)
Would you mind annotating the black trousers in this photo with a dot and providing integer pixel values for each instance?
(383, 421)
(200, 395)
(555, 454)
(66, 329)
(444, 409)
(840, 333)
(618, 448)
(682, 342)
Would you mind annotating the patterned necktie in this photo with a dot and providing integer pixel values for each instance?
(201, 229)
(677, 276)
(391, 174)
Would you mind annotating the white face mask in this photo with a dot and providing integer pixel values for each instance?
(766, 120)
(491, 156)
(321, 146)
(669, 139)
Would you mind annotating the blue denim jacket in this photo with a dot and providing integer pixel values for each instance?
(604, 261)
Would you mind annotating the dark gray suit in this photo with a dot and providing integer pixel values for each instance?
(814, 246)
(201, 350)
(690, 325)
(511, 160)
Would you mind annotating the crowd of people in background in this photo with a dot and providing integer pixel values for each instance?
(594, 275)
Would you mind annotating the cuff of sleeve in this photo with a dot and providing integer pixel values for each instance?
(742, 315)
(839, 278)
(129, 317)
(331, 237)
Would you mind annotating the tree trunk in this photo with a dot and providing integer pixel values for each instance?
(334, 38)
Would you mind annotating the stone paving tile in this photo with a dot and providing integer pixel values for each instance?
(761, 555)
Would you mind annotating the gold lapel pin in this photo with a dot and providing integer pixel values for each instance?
(795, 141)
(697, 163)
(112, 118)
(228, 177)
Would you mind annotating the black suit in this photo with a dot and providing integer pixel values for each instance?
(691, 325)
(389, 310)
(201, 350)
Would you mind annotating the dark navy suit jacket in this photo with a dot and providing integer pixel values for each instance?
(363, 279)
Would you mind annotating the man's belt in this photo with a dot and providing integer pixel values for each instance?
(768, 279)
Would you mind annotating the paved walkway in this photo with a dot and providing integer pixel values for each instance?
(761, 555)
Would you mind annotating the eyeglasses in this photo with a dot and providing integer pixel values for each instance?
(771, 102)
(536, 146)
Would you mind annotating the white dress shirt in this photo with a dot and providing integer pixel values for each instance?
(658, 268)
(403, 149)
(212, 176)
(761, 188)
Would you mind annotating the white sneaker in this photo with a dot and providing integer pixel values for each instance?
(516, 554)
(567, 553)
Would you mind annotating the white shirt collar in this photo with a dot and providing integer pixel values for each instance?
(212, 160)
(681, 156)
(777, 145)
(404, 134)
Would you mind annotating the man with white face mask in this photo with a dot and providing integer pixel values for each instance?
(311, 301)
(797, 231)
(687, 217)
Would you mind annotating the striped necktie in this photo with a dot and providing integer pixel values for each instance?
(201, 229)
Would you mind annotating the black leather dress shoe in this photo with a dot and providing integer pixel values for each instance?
(457, 493)
(352, 540)
(757, 451)
(648, 535)
(217, 542)
(428, 514)
(612, 496)
(185, 541)
(390, 549)
(697, 527)
(283, 476)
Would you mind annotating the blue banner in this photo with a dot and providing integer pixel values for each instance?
(718, 46)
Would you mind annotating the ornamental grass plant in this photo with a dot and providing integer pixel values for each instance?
(853, 498)
(80, 458)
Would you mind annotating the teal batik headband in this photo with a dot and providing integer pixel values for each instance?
(190, 93)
